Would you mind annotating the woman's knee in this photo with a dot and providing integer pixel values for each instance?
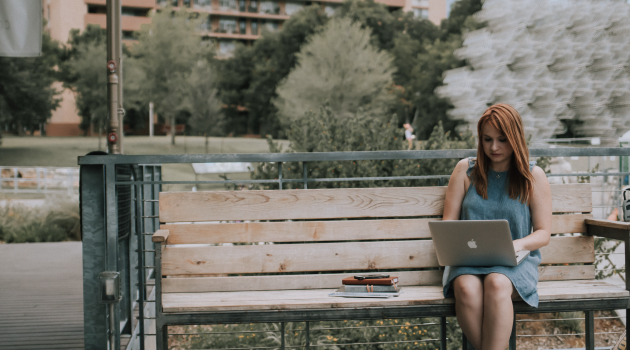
(467, 287)
(498, 285)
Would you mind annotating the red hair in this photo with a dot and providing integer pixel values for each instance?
(508, 121)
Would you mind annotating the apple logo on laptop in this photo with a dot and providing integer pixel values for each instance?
(472, 244)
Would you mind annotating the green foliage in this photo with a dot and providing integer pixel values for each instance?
(422, 52)
(251, 76)
(203, 103)
(58, 220)
(413, 333)
(570, 322)
(27, 97)
(322, 131)
(343, 69)
(163, 61)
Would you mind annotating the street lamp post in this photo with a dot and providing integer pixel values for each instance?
(115, 111)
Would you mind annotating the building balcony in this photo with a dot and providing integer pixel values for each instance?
(126, 3)
(236, 13)
(392, 3)
(222, 34)
(128, 23)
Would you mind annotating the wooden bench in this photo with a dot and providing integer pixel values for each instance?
(318, 234)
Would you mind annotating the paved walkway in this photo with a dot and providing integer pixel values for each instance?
(41, 296)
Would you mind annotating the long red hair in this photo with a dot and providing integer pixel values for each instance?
(508, 121)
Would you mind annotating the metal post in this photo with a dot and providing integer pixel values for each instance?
(140, 246)
(308, 335)
(93, 231)
(304, 176)
(513, 335)
(280, 174)
(15, 180)
(626, 244)
(113, 41)
(111, 229)
(442, 333)
(112, 327)
(589, 329)
(281, 332)
(151, 119)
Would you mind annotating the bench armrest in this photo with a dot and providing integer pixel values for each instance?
(160, 236)
(608, 229)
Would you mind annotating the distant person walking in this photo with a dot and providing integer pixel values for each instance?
(409, 136)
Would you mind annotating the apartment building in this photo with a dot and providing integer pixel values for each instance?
(224, 21)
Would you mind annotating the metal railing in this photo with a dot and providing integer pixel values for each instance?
(39, 180)
(131, 252)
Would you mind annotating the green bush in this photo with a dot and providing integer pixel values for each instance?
(323, 131)
(57, 220)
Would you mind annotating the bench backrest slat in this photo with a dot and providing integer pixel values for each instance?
(338, 256)
(333, 203)
(327, 231)
(282, 282)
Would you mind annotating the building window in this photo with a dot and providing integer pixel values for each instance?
(420, 3)
(226, 47)
(271, 26)
(270, 7)
(253, 6)
(186, 3)
(293, 7)
(241, 6)
(175, 3)
(421, 13)
(254, 28)
(128, 35)
(242, 29)
(227, 5)
(206, 24)
(227, 26)
(202, 4)
(330, 9)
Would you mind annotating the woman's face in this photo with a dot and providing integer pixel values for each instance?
(496, 146)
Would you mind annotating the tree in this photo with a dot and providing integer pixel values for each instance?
(359, 132)
(338, 65)
(250, 78)
(86, 75)
(203, 102)
(26, 92)
(166, 52)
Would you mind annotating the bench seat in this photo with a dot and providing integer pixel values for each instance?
(319, 299)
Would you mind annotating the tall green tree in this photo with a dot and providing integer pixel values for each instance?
(341, 66)
(86, 76)
(164, 58)
(203, 103)
(251, 76)
(27, 97)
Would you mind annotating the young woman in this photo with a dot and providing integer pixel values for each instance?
(500, 183)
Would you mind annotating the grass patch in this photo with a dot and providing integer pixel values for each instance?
(56, 221)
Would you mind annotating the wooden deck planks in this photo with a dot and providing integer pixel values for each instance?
(41, 296)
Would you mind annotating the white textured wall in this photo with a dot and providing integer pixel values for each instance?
(551, 60)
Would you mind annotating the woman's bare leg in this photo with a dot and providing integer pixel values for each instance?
(469, 306)
(498, 312)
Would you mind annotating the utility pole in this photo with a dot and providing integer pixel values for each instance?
(115, 112)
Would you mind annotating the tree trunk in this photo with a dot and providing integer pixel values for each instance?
(173, 131)
(20, 129)
(206, 135)
(100, 131)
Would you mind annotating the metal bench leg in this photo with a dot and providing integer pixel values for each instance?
(442, 333)
(589, 329)
(161, 337)
(513, 335)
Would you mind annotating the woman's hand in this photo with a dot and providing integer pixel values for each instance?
(518, 245)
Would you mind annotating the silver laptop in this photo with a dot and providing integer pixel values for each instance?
(475, 243)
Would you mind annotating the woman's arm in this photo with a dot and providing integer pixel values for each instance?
(540, 207)
(456, 191)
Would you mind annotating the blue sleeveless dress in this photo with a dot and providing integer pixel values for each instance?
(499, 206)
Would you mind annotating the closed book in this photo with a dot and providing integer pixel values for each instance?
(370, 289)
(389, 281)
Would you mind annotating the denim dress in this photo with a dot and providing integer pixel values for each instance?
(499, 206)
